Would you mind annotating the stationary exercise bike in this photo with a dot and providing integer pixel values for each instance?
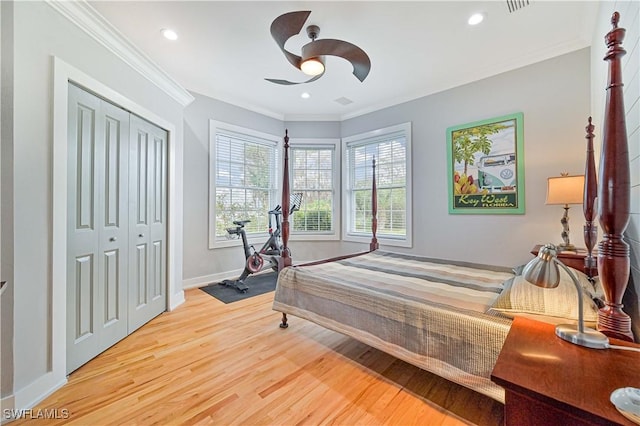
(271, 248)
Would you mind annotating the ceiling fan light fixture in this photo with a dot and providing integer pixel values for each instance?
(311, 62)
(312, 66)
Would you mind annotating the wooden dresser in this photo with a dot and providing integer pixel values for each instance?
(549, 381)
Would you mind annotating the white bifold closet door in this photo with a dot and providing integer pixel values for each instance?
(116, 226)
(147, 221)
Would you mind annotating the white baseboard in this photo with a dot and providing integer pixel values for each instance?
(176, 300)
(216, 278)
(30, 395)
(208, 279)
(7, 403)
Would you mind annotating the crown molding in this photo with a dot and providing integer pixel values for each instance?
(95, 25)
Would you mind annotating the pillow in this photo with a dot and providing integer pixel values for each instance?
(518, 269)
(521, 297)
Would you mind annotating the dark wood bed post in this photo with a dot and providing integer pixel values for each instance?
(614, 196)
(285, 257)
(374, 210)
(588, 204)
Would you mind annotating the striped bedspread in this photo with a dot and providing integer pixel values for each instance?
(428, 312)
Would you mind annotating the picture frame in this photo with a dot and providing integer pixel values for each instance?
(485, 166)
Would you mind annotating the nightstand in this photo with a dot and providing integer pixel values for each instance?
(549, 381)
(572, 259)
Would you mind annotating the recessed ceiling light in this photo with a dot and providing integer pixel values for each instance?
(476, 18)
(169, 34)
(305, 95)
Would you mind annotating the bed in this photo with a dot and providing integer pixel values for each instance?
(451, 318)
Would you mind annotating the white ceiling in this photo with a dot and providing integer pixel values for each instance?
(225, 49)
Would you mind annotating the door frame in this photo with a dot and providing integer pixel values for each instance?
(62, 74)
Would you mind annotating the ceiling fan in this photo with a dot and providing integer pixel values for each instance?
(312, 60)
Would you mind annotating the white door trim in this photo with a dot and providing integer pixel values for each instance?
(62, 73)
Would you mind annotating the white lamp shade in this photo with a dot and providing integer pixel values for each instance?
(312, 66)
(565, 189)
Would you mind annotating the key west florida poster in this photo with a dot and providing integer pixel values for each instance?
(485, 166)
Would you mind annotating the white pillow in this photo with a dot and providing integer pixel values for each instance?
(522, 297)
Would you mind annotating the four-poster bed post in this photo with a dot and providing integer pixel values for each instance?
(588, 204)
(614, 196)
(374, 210)
(285, 259)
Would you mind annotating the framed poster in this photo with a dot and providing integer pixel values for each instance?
(486, 166)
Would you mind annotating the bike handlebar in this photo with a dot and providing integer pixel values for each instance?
(278, 210)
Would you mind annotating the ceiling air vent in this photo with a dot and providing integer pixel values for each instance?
(516, 4)
(344, 101)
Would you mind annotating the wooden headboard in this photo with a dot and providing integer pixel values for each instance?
(613, 195)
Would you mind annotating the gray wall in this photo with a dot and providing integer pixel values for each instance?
(201, 264)
(6, 192)
(630, 20)
(39, 34)
(313, 129)
(554, 119)
(554, 97)
(302, 251)
(199, 260)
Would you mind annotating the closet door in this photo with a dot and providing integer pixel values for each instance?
(97, 227)
(147, 221)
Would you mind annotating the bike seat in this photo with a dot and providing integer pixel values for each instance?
(241, 222)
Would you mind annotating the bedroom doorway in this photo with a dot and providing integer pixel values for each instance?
(116, 224)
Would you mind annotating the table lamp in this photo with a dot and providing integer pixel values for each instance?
(565, 190)
(543, 271)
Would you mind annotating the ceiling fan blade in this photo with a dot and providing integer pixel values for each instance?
(352, 53)
(290, 83)
(286, 26)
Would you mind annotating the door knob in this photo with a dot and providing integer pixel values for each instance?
(140, 235)
(112, 239)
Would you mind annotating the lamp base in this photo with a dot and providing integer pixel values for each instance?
(566, 247)
(590, 338)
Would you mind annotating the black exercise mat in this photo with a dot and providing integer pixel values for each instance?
(258, 284)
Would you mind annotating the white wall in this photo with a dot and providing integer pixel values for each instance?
(40, 34)
(630, 20)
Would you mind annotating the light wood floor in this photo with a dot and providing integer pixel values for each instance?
(211, 363)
